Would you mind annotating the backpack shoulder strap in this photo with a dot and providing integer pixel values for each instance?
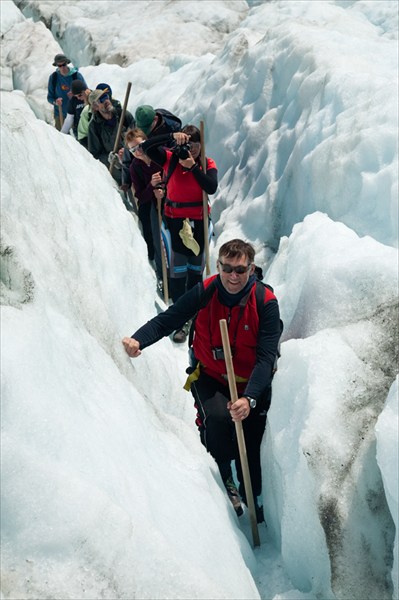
(206, 297)
(172, 166)
(208, 293)
(263, 293)
(54, 81)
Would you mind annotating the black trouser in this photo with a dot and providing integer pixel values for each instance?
(218, 432)
(144, 214)
(156, 238)
(185, 268)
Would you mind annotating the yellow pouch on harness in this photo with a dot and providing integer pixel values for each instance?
(196, 373)
(186, 234)
(192, 377)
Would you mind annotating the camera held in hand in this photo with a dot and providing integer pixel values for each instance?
(182, 151)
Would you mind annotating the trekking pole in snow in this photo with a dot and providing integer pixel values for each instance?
(239, 433)
(120, 127)
(163, 257)
(61, 115)
(205, 203)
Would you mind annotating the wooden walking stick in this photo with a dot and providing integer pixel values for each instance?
(163, 250)
(240, 433)
(205, 203)
(119, 133)
(61, 116)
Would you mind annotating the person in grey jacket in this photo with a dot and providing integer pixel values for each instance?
(103, 129)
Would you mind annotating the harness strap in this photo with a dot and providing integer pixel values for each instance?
(194, 375)
(182, 204)
(237, 378)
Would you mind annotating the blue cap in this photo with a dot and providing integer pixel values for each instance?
(103, 86)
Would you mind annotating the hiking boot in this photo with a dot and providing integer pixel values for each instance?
(260, 517)
(180, 335)
(234, 496)
(160, 287)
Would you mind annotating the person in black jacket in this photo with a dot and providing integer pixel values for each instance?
(156, 121)
(254, 334)
(103, 129)
(144, 174)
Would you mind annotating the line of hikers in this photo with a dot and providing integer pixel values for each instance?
(159, 162)
(153, 148)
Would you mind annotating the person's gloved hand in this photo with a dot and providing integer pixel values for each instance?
(112, 156)
(114, 160)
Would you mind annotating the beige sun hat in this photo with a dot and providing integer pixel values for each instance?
(95, 95)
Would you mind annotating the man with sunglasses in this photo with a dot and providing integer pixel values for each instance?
(254, 335)
(103, 127)
(59, 86)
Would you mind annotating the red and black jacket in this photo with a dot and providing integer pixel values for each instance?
(243, 328)
(185, 186)
(184, 198)
(254, 335)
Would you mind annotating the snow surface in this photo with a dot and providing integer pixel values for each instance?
(106, 489)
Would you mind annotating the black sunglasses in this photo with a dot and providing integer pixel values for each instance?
(240, 270)
(62, 65)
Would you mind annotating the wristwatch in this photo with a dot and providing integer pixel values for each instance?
(252, 401)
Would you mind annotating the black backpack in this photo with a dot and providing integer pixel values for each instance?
(170, 119)
(260, 302)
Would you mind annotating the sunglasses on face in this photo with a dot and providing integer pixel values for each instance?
(240, 269)
(103, 98)
(134, 149)
(62, 65)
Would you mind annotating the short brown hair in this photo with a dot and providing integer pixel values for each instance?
(134, 133)
(237, 248)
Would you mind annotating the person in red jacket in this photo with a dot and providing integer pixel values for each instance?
(183, 211)
(254, 335)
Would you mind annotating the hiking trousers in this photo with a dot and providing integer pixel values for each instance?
(156, 240)
(144, 214)
(185, 269)
(218, 433)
